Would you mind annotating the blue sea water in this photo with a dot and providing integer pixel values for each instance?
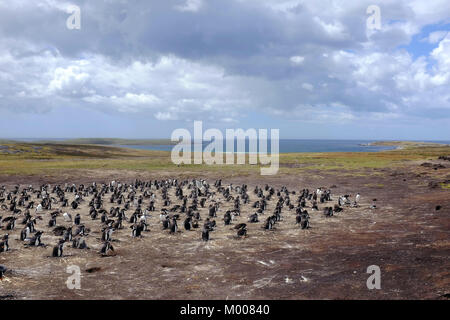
(287, 145)
(298, 145)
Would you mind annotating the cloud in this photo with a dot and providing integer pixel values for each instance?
(436, 36)
(297, 60)
(190, 5)
(218, 61)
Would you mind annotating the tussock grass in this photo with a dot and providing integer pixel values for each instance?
(30, 159)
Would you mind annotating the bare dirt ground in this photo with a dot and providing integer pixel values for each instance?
(405, 236)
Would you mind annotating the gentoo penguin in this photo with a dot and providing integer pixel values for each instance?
(205, 234)
(166, 223)
(373, 206)
(163, 215)
(241, 229)
(227, 218)
(68, 234)
(253, 218)
(187, 223)
(268, 225)
(107, 233)
(36, 239)
(305, 222)
(118, 224)
(3, 269)
(11, 224)
(81, 230)
(106, 248)
(79, 243)
(58, 249)
(328, 211)
(4, 246)
(77, 219)
(25, 233)
(173, 226)
(136, 230)
(31, 224)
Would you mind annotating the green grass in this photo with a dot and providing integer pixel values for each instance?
(112, 141)
(52, 159)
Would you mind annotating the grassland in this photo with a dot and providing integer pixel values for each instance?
(113, 141)
(52, 159)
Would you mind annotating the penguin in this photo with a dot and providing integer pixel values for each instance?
(77, 219)
(26, 218)
(104, 217)
(81, 230)
(58, 249)
(304, 223)
(136, 230)
(68, 234)
(59, 231)
(118, 224)
(187, 223)
(227, 218)
(268, 225)
(3, 270)
(144, 226)
(205, 234)
(107, 247)
(11, 224)
(298, 218)
(107, 233)
(25, 233)
(93, 214)
(79, 243)
(166, 223)
(36, 239)
(173, 226)
(253, 218)
(328, 211)
(31, 224)
(4, 245)
(242, 230)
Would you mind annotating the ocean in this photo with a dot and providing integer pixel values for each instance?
(297, 145)
(285, 145)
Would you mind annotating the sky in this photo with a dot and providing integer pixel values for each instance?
(141, 69)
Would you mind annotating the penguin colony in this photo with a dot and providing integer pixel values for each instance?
(117, 207)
